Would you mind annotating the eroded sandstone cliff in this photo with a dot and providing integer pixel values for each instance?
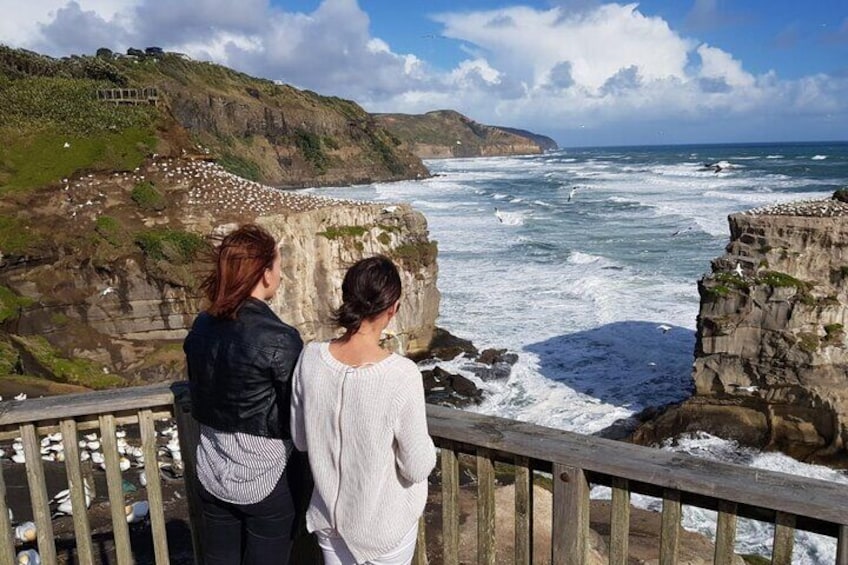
(771, 362)
(107, 287)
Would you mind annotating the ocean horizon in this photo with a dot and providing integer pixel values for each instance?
(573, 259)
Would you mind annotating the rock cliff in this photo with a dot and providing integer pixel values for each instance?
(771, 357)
(445, 133)
(105, 289)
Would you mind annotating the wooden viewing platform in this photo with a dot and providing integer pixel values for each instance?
(129, 96)
(573, 461)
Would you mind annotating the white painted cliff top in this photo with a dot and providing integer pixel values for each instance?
(821, 208)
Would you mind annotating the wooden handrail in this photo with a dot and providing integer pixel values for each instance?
(783, 492)
(575, 461)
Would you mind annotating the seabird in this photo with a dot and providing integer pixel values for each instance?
(738, 270)
(665, 328)
(107, 290)
(572, 193)
(498, 215)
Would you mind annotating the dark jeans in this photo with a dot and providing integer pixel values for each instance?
(248, 534)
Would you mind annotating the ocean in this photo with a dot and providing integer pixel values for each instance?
(575, 258)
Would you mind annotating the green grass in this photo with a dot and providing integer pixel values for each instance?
(244, 168)
(14, 237)
(809, 342)
(72, 371)
(776, 279)
(147, 197)
(35, 158)
(111, 230)
(416, 256)
(174, 246)
(310, 145)
(10, 303)
(336, 232)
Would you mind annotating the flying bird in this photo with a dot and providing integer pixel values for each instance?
(738, 270)
(572, 193)
(664, 328)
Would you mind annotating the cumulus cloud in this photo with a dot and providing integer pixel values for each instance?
(576, 67)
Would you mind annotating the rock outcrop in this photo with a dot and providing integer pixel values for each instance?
(108, 279)
(771, 358)
(446, 133)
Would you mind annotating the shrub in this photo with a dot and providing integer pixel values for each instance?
(174, 246)
(147, 197)
(238, 166)
(336, 232)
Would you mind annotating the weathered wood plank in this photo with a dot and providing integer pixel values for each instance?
(784, 539)
(188, 431)
(7, 542)
(450, 504)
(779, 491)
(79, 496)
(670, 527)
(42, 428)
(420, 556)
(523, 511)
(86, 404)
(570, 531)
(120, 530)
(38, 495)
(842, 546)
(725, 533)
(485, 508)
(619, 522)
(147, 430)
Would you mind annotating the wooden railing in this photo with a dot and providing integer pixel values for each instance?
(572, 461)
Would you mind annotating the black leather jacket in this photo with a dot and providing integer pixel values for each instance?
(240, 370)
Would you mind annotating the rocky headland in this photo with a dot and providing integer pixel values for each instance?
(445, 133)
(771, 357)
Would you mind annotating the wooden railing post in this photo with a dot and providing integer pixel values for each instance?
(570, 535)
(38, 494)
(188, 431)
(670, 527)
(725, 533)
(784, 539)
(523, 511)
(619, 522)
(842, 546)
(7, 543)
(79, 492)
(114, 485)
(147, 430)
(450, 504)
(485, 508)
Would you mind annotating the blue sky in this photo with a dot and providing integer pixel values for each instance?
(585, 72)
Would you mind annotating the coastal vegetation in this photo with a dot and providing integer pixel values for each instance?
(48, 361)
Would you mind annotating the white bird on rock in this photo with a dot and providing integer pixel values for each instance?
(738, 270)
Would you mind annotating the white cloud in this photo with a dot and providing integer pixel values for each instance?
(608, 67)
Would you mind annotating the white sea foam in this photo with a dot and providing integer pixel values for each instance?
(818, 157)
(579, 290)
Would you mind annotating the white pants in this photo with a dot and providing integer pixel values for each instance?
(336, 552)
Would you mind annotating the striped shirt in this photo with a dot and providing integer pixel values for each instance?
(240, 468)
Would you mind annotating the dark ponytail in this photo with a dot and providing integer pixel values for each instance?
(370, 286)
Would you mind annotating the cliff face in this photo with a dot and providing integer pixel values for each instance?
(771, 358)
(107, 296)
(445, 133)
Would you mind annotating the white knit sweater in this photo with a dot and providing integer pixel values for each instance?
(366, 433)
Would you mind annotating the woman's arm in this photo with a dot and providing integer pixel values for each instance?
(415, 453)
(298, 431)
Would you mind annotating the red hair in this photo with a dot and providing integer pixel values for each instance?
(240, 262)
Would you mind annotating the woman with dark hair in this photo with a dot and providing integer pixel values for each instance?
(359, 412)
(240, 358)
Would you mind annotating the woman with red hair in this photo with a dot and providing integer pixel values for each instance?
(240, 359)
